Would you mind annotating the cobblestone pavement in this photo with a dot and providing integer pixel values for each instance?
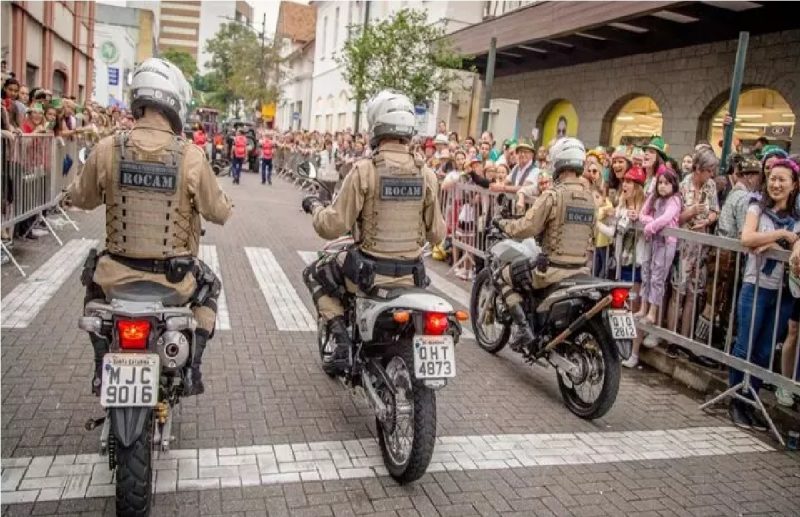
(273, 435)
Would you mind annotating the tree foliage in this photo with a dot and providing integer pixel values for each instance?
(403, 53)
(183, 60)
(239, 68)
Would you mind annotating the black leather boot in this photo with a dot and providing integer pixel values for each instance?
(194, 378)
(338, 362)
(520, 330)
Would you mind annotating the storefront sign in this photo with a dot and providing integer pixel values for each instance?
(113, 76)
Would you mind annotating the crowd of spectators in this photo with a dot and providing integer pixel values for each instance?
(29, 110)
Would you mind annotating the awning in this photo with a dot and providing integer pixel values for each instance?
(554, 34)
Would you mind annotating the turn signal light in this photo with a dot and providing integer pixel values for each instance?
(619, 296)
(435, 323)
(462, 315)
(133, 334)
(401, 317)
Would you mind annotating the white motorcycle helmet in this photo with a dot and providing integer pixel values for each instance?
(161, 85)
(567, 153)
(390, 115)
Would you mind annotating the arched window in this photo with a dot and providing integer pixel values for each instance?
(558, 119)
(59, 83)
(635, 122)
(762, 112)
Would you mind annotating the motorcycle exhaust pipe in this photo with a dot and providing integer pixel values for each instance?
(599, 306)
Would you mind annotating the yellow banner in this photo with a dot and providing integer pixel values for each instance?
(268, 111)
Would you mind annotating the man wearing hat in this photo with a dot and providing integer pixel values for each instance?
(524, 172)
(509, 156)
(441, 142)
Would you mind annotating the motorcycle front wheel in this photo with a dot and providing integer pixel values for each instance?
(135, 474)
(590, 394)
(408, 435)
(490, 334)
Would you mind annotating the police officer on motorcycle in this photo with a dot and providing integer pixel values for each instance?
(562, 219)
(155, 186)
(389, 202)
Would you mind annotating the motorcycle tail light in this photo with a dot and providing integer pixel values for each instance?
(435, 323)
(133, 334)
(619, 296)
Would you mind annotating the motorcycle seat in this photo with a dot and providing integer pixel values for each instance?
(543, 293)
(143, 291)
(390, 293)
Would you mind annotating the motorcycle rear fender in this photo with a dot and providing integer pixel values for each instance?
(127, 423)
(368, 309)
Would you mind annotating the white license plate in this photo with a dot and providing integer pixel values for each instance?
(622, 324)
(434, 357)
(130, 380)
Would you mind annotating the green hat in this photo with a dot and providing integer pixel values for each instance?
(56, 103)
(526, 144)
(36, 108)
(510, 143)
(657, 144)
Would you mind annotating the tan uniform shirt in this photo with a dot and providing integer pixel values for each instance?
(335, 220)
(151, 133)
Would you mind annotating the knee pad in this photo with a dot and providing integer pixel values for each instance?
(325, 275)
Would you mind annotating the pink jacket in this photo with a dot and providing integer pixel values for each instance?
(658, 214)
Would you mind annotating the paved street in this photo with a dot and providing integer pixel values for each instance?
(273, 435)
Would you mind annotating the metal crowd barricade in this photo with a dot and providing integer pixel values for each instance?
(35, 176)
(700, 306)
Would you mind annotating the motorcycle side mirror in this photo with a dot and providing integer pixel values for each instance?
(307, 170)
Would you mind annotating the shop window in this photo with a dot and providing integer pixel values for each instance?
(558, 121)
(637, 121)
(761, 112)
(31, 75)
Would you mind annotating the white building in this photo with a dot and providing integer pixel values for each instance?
(116, 35)
(295, 31)
(332, 108)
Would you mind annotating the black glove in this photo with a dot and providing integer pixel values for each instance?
(497, 222)
(309, 202)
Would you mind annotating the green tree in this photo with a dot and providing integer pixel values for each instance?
(183, 60)
(240, 68)
(403, 53)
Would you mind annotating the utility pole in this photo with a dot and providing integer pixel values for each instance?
(261, 61)
(357, 122)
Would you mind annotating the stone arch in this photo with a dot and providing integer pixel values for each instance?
(786, 86)
(544, 113)
(607, 123)
(636, 86)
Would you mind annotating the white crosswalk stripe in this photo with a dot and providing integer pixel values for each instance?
(53, 478)
(285, 304)
(25, 301)
(208, 254)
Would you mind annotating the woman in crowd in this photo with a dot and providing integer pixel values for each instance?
(686, 165)
(771, 224)
(620, 163)
(700, 212)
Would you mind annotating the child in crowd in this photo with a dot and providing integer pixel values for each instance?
(661, 210)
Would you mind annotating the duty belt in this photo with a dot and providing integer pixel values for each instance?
(393, 267)
(156, 266)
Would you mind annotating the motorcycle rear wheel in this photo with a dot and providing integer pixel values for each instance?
(592, 346)
(495, 343)
(407, 457)
(135, 474)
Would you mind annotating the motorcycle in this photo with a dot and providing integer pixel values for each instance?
(582, 326)
(405, 339)
(151, 339)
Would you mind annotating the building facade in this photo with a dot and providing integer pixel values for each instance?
(332, 108)
(629, 70)
(186, 25)
(295, 32)
(124, 37)
(49, 44)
